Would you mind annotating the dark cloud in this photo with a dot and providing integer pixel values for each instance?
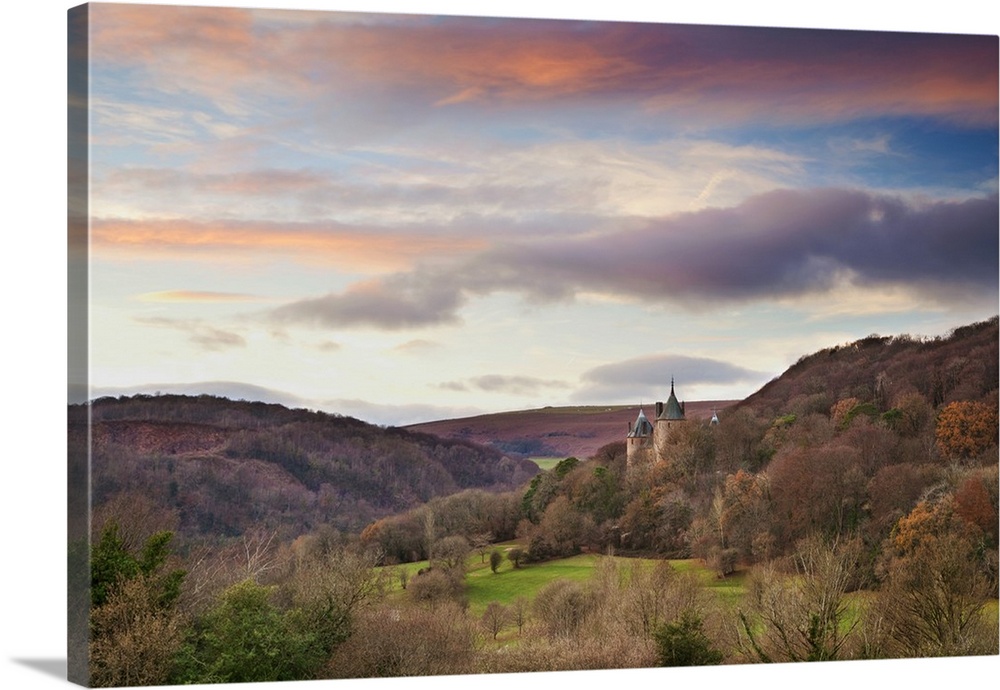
(497, 383)
(659, 370)
(200, 333)
(517, 385)
(394, 414)
(395, 303)
(649, 378)
(781, 244)
(233, 390)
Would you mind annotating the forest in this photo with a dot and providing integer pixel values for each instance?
(847, 510)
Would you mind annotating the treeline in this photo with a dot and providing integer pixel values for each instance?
(218, 468)
(960, 366)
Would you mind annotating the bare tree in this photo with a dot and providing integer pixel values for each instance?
(258, 554)
(495, 618)
(802, 616)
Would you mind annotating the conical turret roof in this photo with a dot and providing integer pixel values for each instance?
(672, 409)
(642, 427)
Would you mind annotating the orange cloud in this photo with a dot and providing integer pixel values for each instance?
(196, 296)
(323, 245)
(717, 71)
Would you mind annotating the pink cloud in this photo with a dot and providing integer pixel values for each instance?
(329, 244)
(721, 72)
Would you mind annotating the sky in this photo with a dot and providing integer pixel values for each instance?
(415, 217)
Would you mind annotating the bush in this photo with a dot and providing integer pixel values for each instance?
(683, 643)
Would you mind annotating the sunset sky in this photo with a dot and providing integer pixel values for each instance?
(406, 217)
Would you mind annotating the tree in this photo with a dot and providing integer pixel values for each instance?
(803, 616)
(481, 543)
(133, 637)
(495, 617)
(683, 643)
(966, 429)
(496, 558)
(519, 613)
(450, 553)
(112, 563)
(935, 584)
(134, 623)
(330, 588)
(562, 606)
(406, 641)
(435, 587)
(515, 556)
(245, 638)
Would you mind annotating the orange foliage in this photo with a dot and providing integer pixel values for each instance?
(966, 429)
(974, 504)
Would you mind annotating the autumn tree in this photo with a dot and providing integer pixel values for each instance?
(818, 490)
(976, 502)
(966, 429)
(739, 513)
(133, 636)
(935, 585)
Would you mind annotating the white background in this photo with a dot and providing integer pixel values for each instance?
(33, 330)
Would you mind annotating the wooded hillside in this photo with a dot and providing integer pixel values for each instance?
(212, 466)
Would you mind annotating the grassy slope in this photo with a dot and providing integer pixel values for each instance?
(507, 584)
(483, 586)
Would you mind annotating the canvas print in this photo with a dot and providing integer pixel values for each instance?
(419, 345)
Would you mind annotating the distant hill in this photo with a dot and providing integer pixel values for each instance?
(213, 466)
(962, 365)
(554, 431)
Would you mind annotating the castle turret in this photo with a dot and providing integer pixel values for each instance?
(639, 440)
(669, 416)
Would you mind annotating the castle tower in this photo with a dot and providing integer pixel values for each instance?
(639, 441)
(669, 416)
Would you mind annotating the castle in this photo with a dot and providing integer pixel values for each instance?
(648, 441)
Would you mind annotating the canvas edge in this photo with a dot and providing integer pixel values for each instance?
(78, 278)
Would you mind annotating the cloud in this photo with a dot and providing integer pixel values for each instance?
(497, 383)
(391, 304)
(227, 389)
(196, 296)
(649, 377)
(405, 63)
(660, 370)
(778, 245)
(371, 412)
(225, 240)
(417, 347)
(395, 414)
(205, 336)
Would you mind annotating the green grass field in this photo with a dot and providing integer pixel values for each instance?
(546, 464)
(508, 583)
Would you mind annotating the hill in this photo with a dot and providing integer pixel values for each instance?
(962, 365)
(210, 466)
(553, 431)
